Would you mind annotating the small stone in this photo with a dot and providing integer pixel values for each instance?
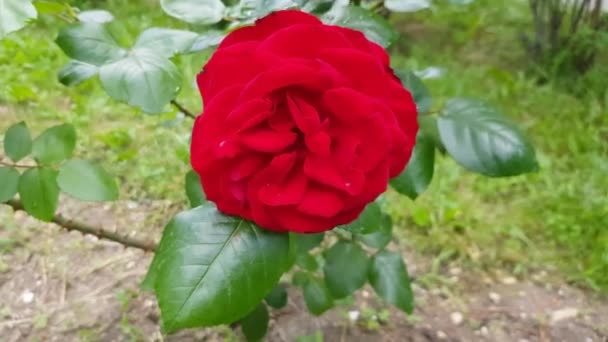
(494, 297)
(27, 296)
(509, 280)
(563, 314)
(457, 318)
(588, 339)
(455, 271)
(365, 294)
(353, 315)
(523, 315)
(523, 340)
(441, 335)
(484, 331)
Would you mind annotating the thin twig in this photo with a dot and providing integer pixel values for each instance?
(183, 109)
(18, 166)
(86, 229)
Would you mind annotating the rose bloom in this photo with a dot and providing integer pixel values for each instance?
(304, 124)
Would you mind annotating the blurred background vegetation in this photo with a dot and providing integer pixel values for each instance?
(552, 81)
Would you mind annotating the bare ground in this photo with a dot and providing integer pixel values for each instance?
(58, 286)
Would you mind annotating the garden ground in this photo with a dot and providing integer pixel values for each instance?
(543, 235)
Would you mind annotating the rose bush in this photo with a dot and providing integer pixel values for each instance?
(304, 124)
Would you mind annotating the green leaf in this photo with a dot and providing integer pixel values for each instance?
(89, 43)
(96, 16)
(194, 189)
(306, 242)
(346, 267)
(418, 173)
(316, 295)
(255, 325)
(407, 5)
(369, 220)
(76, 72)
(49, 7)
(87, 181)
(483, 140)
(9, 180)
(55, 144)
(211, 269)
(428, 127)
(381, 237)
(18, 142)
(166, 42)
(307, 261)
(14, 14)
(39, 193)
(207, 40)
(389, 278)
(375, 27)
(200, 12)
(419, 91)
(277, 298)
(143, 79)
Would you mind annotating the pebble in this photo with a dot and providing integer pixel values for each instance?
(457, 318)
(353, 315)
(441, 335)
(509, 280)
(365, 294)
(455, 271)
(494, 297)
(484, 331)
(523, 340)
(27, 296)
(563, 314)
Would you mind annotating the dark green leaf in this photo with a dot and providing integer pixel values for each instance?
(90, 43)
(166, 42)
(375, 27)
(87, 181)
(277, 298)
(418, 173)
(39, 193)
(9, 180)
(346, 267)
(55, 144)
(211, 269)
(14, 14)
(95, 16)
(255, 325)
(388, 276)
(194, 189)
(76, 72)
(369, 220)
(207, 40)
(18, 142)
(306, 242)
(483, 140)
(407, 5)
(300, 278)
(307, 262)
(419, 91)
(143, 79)
(195, 11)
(428, 127)
(316, 296)
(381, 237)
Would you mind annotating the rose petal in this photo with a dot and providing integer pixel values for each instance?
(246, 166)
(314, 38)
(322, 203)
(318, 143)
(266, 140)
(305, 116)
(289, 193)
(326, 172)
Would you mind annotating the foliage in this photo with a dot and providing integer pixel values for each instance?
(228, 268)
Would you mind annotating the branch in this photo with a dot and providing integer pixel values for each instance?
(85, 229)
(183, 109)
(17, 166)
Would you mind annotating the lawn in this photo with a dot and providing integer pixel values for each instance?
(554, 219)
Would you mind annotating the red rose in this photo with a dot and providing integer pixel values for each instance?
(304, 124)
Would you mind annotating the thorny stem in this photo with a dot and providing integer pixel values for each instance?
(183, 109)
(72, 225)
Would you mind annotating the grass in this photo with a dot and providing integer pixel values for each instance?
(556, 218)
